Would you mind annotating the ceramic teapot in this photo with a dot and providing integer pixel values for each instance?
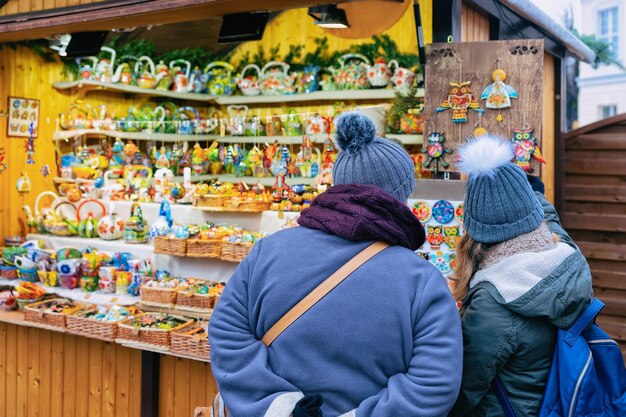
(110, 226)
(220, 79)
(58, 224)
(402, 78)
(275, 78)
(36, 220)
(87, 72)
(80, 115)
(163, 223)
(187, 118)
(136, 228)
(352, 72)
(378, 74)
(182, 83)
(198, 80)
(308, 79)
(315, 125)
(144, 72)
(104, 68)
(123, 74)
(163, 76)
(249, 85)
(88, 225)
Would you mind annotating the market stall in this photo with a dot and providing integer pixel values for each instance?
(137, 180)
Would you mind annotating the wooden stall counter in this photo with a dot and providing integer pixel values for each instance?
(45, 371)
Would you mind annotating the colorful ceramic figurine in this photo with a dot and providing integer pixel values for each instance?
(434, 237)
(526, 148)
(451, 236)
(498, 94)
(460, 98)
(436, 151)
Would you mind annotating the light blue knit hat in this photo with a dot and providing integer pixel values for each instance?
(499, 203)
(366, 159)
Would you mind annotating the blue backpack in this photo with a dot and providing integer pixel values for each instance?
(587, 377)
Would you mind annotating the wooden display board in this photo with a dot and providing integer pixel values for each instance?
(522, 61)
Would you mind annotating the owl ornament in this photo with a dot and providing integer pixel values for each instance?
(451, 236)
(526, 148)
(460, 98)
(441, 261)
(498, 95)
(436, 152)
(434, 237)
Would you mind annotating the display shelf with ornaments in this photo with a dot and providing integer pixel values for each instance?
(339, 95)
(85, 86)
(66, 135)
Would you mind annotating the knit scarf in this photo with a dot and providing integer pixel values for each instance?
(362, 213)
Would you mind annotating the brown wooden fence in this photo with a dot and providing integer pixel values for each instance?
(595, 212)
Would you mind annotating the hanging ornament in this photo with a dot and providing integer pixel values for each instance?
(23, 183)
(436, 151)
(307, 148)
(3, 161)
(45, 170)
(498, 95)
(460, 98)
(30, 145)
(526, 148)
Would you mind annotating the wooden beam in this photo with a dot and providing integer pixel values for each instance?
(609, 279)
(599, 141)
(145, 13)
(613, 325)
(605, 251)
(595, 167)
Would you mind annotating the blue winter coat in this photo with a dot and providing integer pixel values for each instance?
(385, 343)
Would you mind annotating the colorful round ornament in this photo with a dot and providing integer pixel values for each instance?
(459, 212)
(422, 211)
(443, 211)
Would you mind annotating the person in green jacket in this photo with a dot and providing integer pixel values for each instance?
(520, 277)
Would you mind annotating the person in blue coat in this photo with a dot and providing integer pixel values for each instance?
(386, 342)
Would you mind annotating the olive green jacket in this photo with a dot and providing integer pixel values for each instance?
(510, 317)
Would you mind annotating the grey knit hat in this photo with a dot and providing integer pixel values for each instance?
(366, 159)
(499, 203)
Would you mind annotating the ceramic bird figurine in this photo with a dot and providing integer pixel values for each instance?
(460, 98)
(526, 148)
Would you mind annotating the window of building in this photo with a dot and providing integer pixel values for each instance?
(608, 28)
(607, 111)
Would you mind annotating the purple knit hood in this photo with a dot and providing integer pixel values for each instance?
(364, 212)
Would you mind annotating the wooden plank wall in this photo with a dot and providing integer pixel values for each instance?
(50, 374)
(474, 26)
(595, 194)
(185, 385)
(26, 6)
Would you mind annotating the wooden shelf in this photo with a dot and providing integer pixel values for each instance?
(354, 95)
(167, 137)
(85, 86)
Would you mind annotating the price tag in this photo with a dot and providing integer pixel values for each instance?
(114, 300)
(87, 296)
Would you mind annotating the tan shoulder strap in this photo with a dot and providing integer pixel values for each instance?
(321, 290)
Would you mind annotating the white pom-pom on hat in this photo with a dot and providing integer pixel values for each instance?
(484, 155)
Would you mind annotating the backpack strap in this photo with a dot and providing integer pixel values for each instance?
(503, 398)
(584, 320)
(321, 290)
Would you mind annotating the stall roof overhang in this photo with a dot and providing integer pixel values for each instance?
(117, 14)
(530, 11)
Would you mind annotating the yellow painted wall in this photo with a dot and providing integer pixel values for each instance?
(296, 27)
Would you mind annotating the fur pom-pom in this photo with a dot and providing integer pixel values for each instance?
(484, 155)
(354, 131)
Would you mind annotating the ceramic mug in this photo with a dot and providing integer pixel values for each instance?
(23, 262)
(48, 278)
(69, 266)
(68, 281)
(108, 273)
(106, 285)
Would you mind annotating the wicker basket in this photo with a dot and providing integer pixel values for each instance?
(235, 252)
(148, 336)
(201, 248)
(237, 204)
(212, 201)
(170, 245)
(35, 313)
(184, 342)
(159, 297)
(187, 299)
(80, 325)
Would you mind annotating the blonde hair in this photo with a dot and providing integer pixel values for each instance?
(468, 258)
